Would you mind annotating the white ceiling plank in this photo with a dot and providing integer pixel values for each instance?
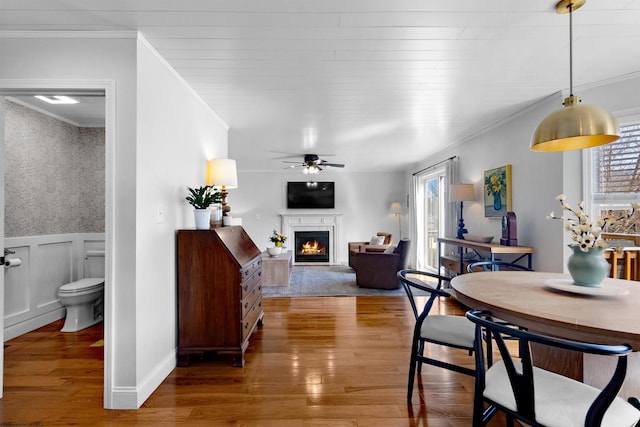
(374, 78)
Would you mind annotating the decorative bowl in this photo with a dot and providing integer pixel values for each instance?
(274, 251)
(478, 238)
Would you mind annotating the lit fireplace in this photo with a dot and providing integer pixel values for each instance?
(312, 246)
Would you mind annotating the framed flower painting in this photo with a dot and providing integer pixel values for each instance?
(497, 191)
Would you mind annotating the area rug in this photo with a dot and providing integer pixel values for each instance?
(334, 280)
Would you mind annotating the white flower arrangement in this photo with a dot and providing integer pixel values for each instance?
(585, 232)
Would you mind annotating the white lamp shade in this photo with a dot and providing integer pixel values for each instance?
(396, 208)
(222, 173)
(462, 193)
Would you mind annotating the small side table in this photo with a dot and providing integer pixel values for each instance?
(276, 270)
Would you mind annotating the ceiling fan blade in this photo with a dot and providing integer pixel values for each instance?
(333, 165)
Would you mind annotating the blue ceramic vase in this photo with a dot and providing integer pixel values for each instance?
(497, 201)
(587, 268)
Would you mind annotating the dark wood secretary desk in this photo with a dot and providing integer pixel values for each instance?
(219, 292)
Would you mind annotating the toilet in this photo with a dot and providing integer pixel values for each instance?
(84, 298)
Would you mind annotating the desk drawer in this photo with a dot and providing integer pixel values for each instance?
(250, 320)
(250, 284)
(250, 299)
(250, 269)
(452, 263)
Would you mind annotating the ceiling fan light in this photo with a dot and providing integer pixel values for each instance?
(575, 127)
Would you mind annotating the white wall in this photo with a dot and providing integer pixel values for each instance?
(141, 141)
(97, 62)
(176, 133)
(364, 199)
(537, 178)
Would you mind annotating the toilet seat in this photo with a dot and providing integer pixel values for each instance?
(83, 285)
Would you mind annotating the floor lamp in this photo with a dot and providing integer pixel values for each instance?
(461, 193)
(396, 209)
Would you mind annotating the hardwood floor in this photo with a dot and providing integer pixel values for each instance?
(317, 361)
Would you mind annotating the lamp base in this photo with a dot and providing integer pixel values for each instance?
(461, 232)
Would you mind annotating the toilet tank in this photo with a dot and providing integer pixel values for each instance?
(94, 263)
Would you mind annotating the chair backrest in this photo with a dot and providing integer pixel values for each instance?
(495, 266)
(403, 250)
(417, 282)
(388, 237)
(521, 379)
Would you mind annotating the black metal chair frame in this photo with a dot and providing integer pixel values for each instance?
(496, 266)
(522, 383)
(417, 348)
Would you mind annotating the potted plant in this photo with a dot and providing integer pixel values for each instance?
(278, 240)
(201, 198)
(587, 264)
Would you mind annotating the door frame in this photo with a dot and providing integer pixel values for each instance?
(109, 88)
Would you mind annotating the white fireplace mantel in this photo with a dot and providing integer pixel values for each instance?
(314, 222)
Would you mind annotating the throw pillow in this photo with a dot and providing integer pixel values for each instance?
(376, 240)
(390, 250)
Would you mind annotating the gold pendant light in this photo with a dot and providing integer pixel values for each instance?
(575, 126)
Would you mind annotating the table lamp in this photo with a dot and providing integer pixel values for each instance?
(222, 173)
(461, 193)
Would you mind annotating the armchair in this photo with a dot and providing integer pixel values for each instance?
(378, 270)
(355, 247)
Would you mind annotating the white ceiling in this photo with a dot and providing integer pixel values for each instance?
(373, 83)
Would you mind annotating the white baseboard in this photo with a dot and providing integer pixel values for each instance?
(134, 397)
(29, 325)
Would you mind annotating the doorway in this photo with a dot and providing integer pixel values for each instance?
(98, 107)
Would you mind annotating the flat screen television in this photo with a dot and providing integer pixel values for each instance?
(310, 195)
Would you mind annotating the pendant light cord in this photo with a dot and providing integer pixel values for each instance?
(570, 49)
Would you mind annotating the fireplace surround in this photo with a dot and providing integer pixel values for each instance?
(303, 222)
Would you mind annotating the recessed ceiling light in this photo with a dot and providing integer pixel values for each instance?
(57, 99)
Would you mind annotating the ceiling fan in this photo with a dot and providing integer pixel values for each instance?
(312, 164)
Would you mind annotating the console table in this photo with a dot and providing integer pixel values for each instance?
(459, 264)
(276, 270)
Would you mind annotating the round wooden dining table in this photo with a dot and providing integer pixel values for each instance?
(549, 303)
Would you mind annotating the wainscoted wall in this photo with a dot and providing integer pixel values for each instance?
(48, 262)
(55, 210)
(55, 175)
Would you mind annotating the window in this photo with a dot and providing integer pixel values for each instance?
(615, 176)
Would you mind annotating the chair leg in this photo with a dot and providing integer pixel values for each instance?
(421, 353)
(510, 420)
(412, 369)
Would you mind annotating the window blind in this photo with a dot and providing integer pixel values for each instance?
(616, 167)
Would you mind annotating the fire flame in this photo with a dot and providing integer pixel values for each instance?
(312, 248)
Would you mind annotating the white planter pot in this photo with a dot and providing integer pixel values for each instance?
(202, 218)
